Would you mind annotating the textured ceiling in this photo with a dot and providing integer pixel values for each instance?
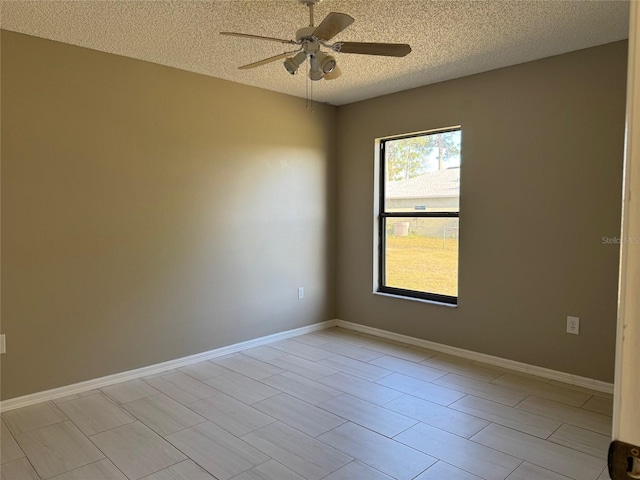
(450, 39)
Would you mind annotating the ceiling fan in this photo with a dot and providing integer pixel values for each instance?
(310, 40)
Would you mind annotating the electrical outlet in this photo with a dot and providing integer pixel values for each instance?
(573, 325)
(300, 293)
(3, 344)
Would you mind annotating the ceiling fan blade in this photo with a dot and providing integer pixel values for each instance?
(265, 61)
(258, 37)
(332, 25)
(334, 74)
(385, 49)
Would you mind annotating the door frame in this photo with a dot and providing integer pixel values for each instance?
(626, 415)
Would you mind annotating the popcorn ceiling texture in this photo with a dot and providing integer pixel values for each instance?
(450, 39)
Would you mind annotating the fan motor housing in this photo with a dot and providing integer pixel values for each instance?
(304, 32)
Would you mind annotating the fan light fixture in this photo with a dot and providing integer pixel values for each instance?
(321, 65)
(328, 63)
(315, 73)
(293, 63)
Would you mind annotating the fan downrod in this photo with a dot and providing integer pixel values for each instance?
(310, 4)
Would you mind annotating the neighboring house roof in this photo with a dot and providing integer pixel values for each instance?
(441, 183)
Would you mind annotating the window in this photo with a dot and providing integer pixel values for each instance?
(419, 215)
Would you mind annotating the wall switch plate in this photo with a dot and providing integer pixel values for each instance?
(573, 325)
(3, 344)
(300, 292)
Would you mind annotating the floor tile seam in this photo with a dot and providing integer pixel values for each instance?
(384, 437)
(481, 445)
(307, 435)
(152, 430)
(201, 466)
(308, 378)
(28, 460)
(307, 403)
(270, 459)
(286, 352)
(575, 424)
(277, 388)
(24, 455)
(145, 398)
(315, 437)
(561, 405)
(204, 419)
(458, 388)
(346, 420)
(475, 474)
(444, 373)
(91, 463)
(576, 450)
(549, 439)
(515, 408)
(249, 378)
(134, 419)
(203, 380)
(369, 346)
(81, 433)
(221, 426)
(499, 368)
(546, 467)
(183, 403)
(448, 431)
(533, 437)
(373, 352)
(343, 466)
(187, 457)
(465, 375)
(358, 375)
(490, 383)
(470, 439)
(405, 393)
(384, 406)
(585, 402)
(595, 411)
(536, 394)
(605, 469)
(375, 433)
(79, 466)
(402, 394)
(561, 424)
(51, 403)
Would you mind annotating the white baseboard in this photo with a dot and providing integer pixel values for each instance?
(569, 378)
(60, 392)
(75, 388)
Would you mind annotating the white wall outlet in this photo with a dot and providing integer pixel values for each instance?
(573, 325)
(300, 293)
(3, 344)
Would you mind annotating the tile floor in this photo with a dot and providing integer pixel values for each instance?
(333, 405)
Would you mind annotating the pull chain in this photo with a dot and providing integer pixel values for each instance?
(309, 95)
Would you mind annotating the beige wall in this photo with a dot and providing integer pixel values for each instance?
(150, 213)
(542, 148)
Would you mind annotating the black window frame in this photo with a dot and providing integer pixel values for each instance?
(383, 215)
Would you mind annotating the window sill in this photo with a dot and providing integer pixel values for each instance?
(413, 299)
